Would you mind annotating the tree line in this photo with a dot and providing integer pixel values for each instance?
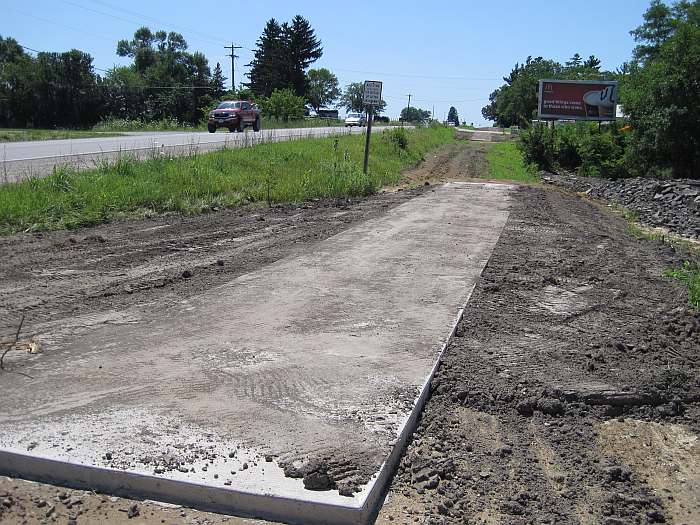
(515, 102)
(63, 90)
(659, 90)
(165, 80)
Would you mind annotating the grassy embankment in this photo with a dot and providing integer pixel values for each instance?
(122, 125)
(506, 162)
(290, 171)
(18, 135)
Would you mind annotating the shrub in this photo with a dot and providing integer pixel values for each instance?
(593, 152)
(538, 147)
(283, 104)
(568, 143)
(601, 154)
(398, 137)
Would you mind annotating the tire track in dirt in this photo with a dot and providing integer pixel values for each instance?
(566, 336)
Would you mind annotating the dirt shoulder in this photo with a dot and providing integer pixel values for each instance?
(66, 273)
(51, 275)
(571, 392)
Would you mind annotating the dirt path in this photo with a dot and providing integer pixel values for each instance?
(571, 394)
(460, 161)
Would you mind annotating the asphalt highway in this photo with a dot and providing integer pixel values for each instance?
(19, 160)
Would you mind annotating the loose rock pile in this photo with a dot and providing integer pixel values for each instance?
(672, 204)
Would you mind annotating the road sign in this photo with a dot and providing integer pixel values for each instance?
(373, 93)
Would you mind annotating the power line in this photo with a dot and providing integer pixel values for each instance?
(205, 36)
(132, 20)
(429, 77)
(53, 22)
(99, 12)
(393, 97)
(28, 48)
(37, 51)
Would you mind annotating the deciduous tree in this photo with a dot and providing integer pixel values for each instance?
(661, 91)
(413, 114)
(351, 99)
(322, 88)
(283, 104)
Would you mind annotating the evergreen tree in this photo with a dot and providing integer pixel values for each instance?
(452, 116)
(303, 49)
(592, 62)
(218, 82)
(574, 61)
(266, 68)
(284, 53)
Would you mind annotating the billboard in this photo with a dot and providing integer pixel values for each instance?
(577, 99)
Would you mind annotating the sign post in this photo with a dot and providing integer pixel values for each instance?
(371, 97)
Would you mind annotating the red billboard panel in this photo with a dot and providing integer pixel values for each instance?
(577, 99)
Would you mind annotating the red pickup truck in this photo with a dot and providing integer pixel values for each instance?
(234, 115)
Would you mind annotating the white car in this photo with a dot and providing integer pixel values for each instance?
(355, 119)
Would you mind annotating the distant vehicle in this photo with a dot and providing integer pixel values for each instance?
(234, 115)
(327, 113)
(355, 119)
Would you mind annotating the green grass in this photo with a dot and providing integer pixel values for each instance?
(290, 171)
(270, 123)
(122, 125)
(689, 274)
(506, 162)
(17, 135)
(112, 124)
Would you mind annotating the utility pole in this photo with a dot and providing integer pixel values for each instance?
(407, 108)
(233, 56)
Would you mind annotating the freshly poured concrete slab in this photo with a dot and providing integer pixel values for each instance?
(314, 363)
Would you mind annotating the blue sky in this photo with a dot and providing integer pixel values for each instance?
(443, 52)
